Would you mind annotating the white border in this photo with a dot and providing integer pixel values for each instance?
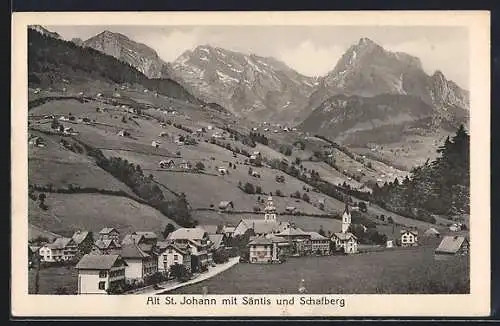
(477, 303)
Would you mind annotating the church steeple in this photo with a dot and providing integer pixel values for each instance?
(270, 210)
(346, 217)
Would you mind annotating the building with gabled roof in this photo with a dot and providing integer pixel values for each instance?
(98, 273)
(106, 247)
(409, 238)
(452, 246)
(139, 263)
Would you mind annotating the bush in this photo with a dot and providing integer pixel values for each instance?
(249, 188)
(199, 166)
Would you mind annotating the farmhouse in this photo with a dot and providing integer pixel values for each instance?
(409, 238)
(146, 240)
(222, 170)
(36, 141)
(83, 239)
(197, 240)
(155, 144)
(320, 245)
(171, 254)
(432, 232)
(98, 273)
(186, 165)
(225, 204)
(62, 249)
(106, 247)
(455, 227)
(109, 233)
(139, 263)
(167, 164)
(123, 133)
(452, 246)
(291, 210)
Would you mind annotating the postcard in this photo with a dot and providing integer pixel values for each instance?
(251, 164)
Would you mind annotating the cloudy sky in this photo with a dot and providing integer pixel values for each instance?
(311, 50)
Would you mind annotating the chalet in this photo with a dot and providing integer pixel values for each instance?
(455, 227)
(197, 240)
(155, 144)
(106, 247)
(139, 263)
(409, 238)
(225, 204)
(98, 273)
(452, 246)
(171, 254)
(320, 245)
(167, 164)
(123, 133)
(255, 174)
(62, 249)
(141, 238)
(109, 233)
(84, 240)
(222, 170)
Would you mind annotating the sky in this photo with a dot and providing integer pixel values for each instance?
(310, 50)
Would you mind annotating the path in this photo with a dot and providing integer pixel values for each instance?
(169, 286)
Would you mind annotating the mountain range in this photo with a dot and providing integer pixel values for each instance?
(369, 87)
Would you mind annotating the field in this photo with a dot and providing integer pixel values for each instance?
(70, 212)
(54, 279)
(401, 271)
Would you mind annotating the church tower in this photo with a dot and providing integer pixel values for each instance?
(346, 218)
(270, 210)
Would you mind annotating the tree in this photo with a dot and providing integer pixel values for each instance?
(321, 231)
(169, 228)
(180, 272)
(41, 198)
(199, 166)
(305, 197)
(278, 193)
(61, 128)
(249, 188)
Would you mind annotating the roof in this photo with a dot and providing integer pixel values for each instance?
(260, 241)
(105, 244)
(211, 229)
(275, 238)
(409, 231)
(431, 231)
(60, 243)
(34, 248)
(187, 233)
(261, 226)
(99, 262)
(317, 236)
(133, 251)
(344, 236)
(107, 230)
(216, 240)
(292, 232)
(450, 244)
(177, 248)
(225, 203)
(79, 236)
(228, 229)
(163, 244)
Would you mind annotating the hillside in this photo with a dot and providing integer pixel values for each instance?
(64, 66)
(249, 86)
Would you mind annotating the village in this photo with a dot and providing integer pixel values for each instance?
(142, 262)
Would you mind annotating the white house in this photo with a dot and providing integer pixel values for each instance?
(222, 170)
(319, 244)
(409, 238)
(97, 273)
(455, 227)
(62, 249)
(171, 254)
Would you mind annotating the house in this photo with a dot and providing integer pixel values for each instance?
(171, 254)
(123, 133)
(409, 238)
(98, 273)
(452, 246)
(216, 241)
(432, 232)
(109, 233)
(262, 251)
(455, 227)
(255, 174)
(222, 170)
(197, 240)
(345, 242)
(155, 144)
(167, 164)
(62, 249)
(320, 245)
(389, 244)
(300, 240)
(139, 263)
(141, 238)
(228, 231)
(36, 141)
(290, 210)
(225, 204)
(106, 247)
(83, 240)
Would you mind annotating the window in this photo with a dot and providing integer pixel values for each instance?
(176, 257)
(102, 285)
(103, 274)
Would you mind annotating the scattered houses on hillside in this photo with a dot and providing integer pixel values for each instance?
(99, 273)
(452, 246)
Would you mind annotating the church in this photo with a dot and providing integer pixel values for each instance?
(344, 240)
